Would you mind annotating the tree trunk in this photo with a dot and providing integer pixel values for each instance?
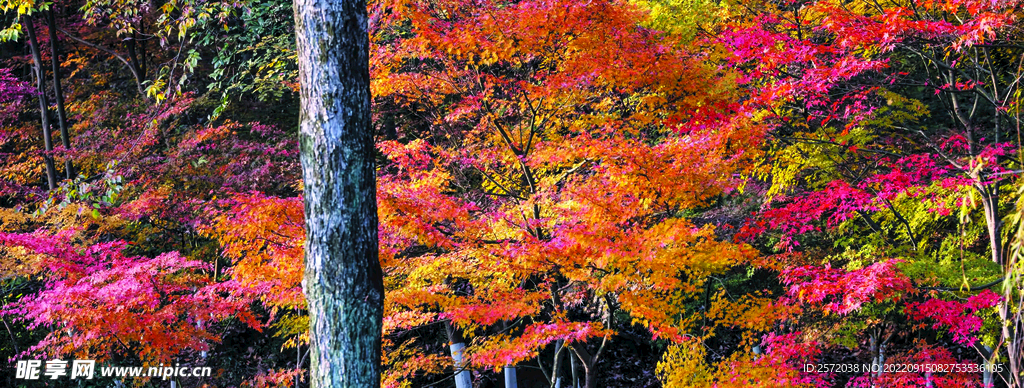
(510, 377)
(993, 223)
(343, 281)
(589, 361)
(1011, 332)
(556, 369)
(575, 375)
(44, 104)
(987, 378)
(457, 344)
(876, 347)
(58, 92)
(133, 58)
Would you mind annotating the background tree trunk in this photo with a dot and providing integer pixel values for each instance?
(457, 344)
(58, 92)
(44, 104)
(556, 368)
(511, 381)
(343, 282)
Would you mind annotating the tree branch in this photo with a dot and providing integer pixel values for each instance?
(974, 288)
(135, 74)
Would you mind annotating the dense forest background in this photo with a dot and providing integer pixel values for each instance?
(595, 193)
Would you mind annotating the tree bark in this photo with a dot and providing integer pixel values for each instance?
(343, 281)
(58, 92)
(511, 381)
(457, 344)
(993, 223)
(575, 374)
(556, 369)
(987, 378)
(133, 58)
(589, 361)
(44, 104)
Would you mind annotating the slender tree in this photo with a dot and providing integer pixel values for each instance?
(343, 281)
(44, 105)
(58, 92)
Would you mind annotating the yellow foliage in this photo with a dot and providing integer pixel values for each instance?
(685, 365)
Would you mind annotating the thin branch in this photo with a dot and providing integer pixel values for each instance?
(973, 288)
(10, 333)
(138, 80)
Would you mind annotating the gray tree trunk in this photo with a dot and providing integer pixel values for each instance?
(511, 381)
(993, 222)
(343, 281)
(575, 375)
(556, 368)
(457, 344)
(987, 379)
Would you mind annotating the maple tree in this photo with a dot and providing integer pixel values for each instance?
(13, 94)
(886, 139)
(129, 224)
(566, 201)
